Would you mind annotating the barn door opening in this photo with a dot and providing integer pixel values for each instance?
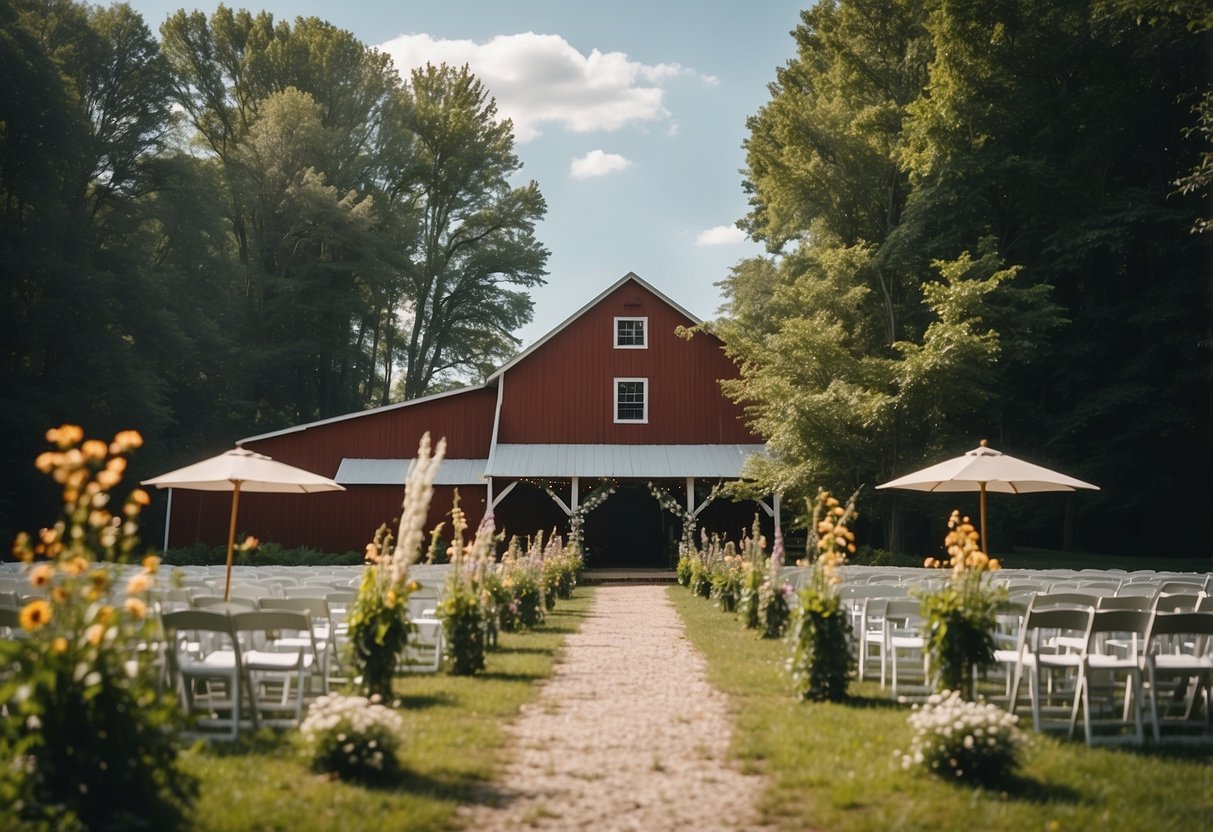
(627, 531)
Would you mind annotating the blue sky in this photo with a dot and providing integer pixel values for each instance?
(629, 114)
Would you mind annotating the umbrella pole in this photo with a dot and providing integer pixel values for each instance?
(231, 539)
(985, 540)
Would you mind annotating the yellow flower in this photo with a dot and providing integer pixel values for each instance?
(151, 564)
(140, 497)
(94, 634)
(75, 567)
(59, 595)
(126, 440)
(99, 579)
(35, 614)
(104, 614)
(108, 478)
(94, 449)
(46, 462)
(389, 600)
(41, 575)
(136, 607)
(249, 543)
(995, 565)
(139, 582)
(65, 435)
(59, 645)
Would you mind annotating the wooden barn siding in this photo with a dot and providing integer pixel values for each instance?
(329, 522)
(564, 391)
(338, 522)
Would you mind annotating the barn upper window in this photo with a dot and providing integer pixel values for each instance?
(631, 333)
(632, 400)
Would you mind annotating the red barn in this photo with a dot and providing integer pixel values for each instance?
(610, 403)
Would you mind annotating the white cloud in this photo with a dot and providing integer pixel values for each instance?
(720, 235)
(597, 163)
(539, 79)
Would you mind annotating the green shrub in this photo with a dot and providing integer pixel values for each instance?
(353, 737)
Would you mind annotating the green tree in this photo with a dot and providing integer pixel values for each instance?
(476, 251)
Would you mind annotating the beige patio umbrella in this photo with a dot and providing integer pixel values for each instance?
(240, 470)
(984, 469)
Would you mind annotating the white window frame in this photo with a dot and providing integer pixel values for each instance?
(615, 333)
(644, 420)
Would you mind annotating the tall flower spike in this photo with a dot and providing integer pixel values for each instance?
(418, 491)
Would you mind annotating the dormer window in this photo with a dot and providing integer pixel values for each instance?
(631, 401)
(631, 333)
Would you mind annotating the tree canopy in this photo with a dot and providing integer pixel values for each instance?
(984, 221)
(243, 224)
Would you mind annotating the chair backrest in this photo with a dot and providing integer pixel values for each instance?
(1072, 621)
(1132, 625)
(1081, 600)
(316, 608)
(903, 612)
(1177, 601)
(9, 599)
(10, 621)
(207, 601)
(1186, 585)
(1147, 588)
(307, 591)
(271, 620)
(208, 620)
(1165, 625)
(214, 628)
(1125, 602)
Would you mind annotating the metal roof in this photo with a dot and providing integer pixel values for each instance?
(359, 414)
(393, 471)
(620, 460)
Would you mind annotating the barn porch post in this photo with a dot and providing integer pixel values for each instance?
(690, 495)
(575, 494)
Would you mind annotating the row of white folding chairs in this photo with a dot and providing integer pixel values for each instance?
(235, 666)
(1066, 651)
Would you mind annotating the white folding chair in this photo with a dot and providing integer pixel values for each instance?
(1114, 642)
(320, 619)
(202, 657)
(904, 657)
(275, 662)
(1179, 649)
(1049, 656)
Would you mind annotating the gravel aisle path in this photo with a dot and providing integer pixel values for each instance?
(627, 735)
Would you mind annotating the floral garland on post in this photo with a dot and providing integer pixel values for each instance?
(961, 617)
(821, 659)
(596, 497)
(379, 620)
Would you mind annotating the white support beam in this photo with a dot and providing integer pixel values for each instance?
(504, 493)
(168, 519)
(576, 493)
(777, 499)
(563, 505)
(770, 511)
(691, 496)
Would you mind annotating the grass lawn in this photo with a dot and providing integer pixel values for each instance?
(831, 766)
(454, 743)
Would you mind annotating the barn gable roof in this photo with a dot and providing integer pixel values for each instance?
(629, 277)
